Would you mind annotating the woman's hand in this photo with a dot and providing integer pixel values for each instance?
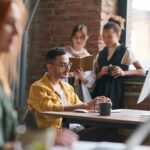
(101, 99)
(80, 73)
(103, 71)
(117, 71)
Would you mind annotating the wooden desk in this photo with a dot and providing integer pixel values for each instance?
(126, 119)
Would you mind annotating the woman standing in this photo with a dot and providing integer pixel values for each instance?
(81, 80)
(113, 63)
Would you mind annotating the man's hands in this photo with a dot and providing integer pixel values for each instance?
(91, 104)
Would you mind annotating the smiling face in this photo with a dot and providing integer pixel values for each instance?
(110, 38)
(79, 40)
(10, 28)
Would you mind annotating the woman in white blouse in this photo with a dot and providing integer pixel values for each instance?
(81, 80)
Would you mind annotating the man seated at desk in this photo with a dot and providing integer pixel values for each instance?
(50, 93)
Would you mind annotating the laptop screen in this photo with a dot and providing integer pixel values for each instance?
(145, 92)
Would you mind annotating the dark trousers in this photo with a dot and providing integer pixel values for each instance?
(100, 134)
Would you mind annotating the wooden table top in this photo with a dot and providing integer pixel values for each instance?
(124, 116)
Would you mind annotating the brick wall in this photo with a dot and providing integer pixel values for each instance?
(52, 25)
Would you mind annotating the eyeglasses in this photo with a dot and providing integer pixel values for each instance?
(64, 65)
(82, 38)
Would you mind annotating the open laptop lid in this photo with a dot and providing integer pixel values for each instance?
(145, 92)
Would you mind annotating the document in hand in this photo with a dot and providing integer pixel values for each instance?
(86, 63)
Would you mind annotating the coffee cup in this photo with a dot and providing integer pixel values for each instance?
(110, 69)
(105, 109)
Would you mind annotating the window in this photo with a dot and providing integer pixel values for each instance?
(138, 30)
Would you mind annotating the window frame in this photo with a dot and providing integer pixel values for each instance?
(123, 12)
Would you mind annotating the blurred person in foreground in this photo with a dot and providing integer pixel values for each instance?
(13, 16)
(11, 30)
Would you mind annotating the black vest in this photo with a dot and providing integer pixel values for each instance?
(108, 85)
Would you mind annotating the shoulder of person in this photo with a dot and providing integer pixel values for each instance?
(102, 51)
(86, 52)
(39, 83)
(129, 51)
(68, 48)
(131, 54)
(123, 46)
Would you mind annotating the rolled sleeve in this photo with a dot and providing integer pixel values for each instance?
(128, 58)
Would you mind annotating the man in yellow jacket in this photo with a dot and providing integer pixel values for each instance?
(51, 93)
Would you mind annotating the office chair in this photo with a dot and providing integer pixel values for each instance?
(29, 119)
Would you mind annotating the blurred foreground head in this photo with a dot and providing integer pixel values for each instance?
(13, 16)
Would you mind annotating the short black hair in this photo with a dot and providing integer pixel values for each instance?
(53, 53)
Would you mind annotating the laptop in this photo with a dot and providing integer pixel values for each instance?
(145, 92)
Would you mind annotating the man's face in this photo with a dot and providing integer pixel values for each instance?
(61, 66)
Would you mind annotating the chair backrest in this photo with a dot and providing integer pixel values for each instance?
(29, 119)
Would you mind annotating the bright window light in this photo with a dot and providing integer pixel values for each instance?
(141, 5)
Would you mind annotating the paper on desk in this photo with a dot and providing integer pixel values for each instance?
(145, 89)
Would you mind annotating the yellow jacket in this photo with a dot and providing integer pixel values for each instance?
(43, 97)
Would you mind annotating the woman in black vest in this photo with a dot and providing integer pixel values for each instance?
(113, 63)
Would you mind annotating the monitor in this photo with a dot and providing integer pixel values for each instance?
(145, 92)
